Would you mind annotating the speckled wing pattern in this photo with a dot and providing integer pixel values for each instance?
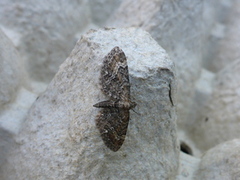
(112, 120)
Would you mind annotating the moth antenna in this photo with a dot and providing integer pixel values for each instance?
(136, 112)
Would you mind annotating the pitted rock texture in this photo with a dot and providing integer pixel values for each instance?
(60, 132)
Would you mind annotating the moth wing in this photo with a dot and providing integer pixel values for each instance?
(114, 75)
(112, 124)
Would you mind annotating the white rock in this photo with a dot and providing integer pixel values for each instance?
(60, 139)
(101, 10)
(221, 162)
(223, 36)
(11, 70)
(12, 119)
(176, 26)
(45, 31)
(188, 167)
(15, 100)
(13, 115)
(197, 118)
(222, 114)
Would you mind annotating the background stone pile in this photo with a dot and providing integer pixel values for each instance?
(49, 67)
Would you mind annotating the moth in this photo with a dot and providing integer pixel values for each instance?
(113, 118)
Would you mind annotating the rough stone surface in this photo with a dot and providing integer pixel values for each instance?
(11, 70)
(12, 118)
(221, 162)
(102, 9)
(13, 115)
(60, 132)
(60, 140)
(221, 122)
(188, 167)
(176, 26)
(15, 100)
(44, 31)
(197, 117)
(228, 48)
(222, 33)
